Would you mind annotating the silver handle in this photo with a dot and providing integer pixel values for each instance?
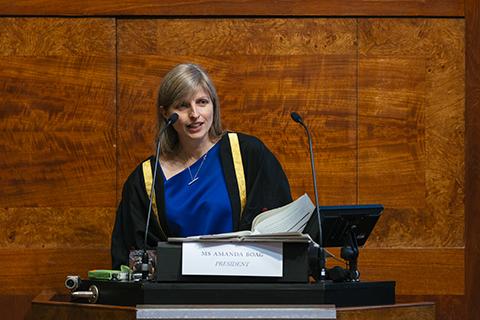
(91, 294)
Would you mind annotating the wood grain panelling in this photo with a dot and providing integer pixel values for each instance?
(31, 37)
(57, 84)
(15, 306)
(421, 271)
(446, 306)
(235, 7)
(263, 69)
(472, 159)
(62, 169)
(20, 275)
(58, 307)
(423, 311)
(57, 146)
(384, 99)
(411, 129)
(69, 228)
(417, 271)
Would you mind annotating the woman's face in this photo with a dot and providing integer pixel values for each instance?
(195, 117)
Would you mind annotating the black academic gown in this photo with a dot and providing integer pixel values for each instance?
(266, 187)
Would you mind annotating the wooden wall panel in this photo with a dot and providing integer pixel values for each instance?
(411, 129)
(50, 306)
(263, 69)
(411, 155)
(22, 275)
(472, 159)
(446, 306)
(417, 271)
(58, 157)
(393, 88)
(423, 311)
(57, 84)
(15, 306)
(235, 7)
(51, 227)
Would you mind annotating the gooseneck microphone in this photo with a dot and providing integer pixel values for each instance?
(170, 121)
(296, 117)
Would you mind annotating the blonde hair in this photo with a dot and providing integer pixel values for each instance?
(181, 82)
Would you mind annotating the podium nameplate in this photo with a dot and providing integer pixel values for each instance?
(294, 266)
(248, 259)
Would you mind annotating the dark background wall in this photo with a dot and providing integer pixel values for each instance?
(390, 90)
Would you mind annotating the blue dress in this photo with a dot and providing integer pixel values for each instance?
(202, 206)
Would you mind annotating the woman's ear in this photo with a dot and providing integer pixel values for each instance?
(164, 113)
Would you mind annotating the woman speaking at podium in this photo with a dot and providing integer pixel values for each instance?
(208, 180)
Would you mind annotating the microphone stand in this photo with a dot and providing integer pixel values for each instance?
(145, 266)
(321, 254)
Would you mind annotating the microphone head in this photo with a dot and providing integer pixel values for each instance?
(173, 118)
(296, 117)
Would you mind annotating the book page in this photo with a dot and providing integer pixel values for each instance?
(290, 218)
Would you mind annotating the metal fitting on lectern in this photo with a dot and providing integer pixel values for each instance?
(91, 294)
(72, 282)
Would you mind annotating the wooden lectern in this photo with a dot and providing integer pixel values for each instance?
(51, 306)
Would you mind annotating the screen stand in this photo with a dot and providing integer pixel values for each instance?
(350, 252)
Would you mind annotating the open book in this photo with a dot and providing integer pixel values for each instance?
(280, 224)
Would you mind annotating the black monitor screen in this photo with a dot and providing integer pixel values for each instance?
(339, 220)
